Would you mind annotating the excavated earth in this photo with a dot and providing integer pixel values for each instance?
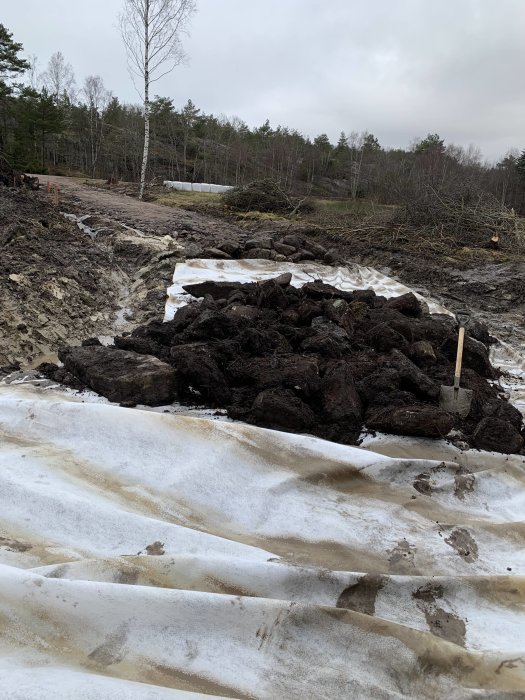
(315, 361)
(311, 360)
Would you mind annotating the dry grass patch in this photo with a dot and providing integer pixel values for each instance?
(175, 198)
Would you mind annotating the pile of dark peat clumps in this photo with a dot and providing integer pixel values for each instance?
(311, 360)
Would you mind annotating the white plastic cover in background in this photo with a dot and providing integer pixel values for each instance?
(195, 186)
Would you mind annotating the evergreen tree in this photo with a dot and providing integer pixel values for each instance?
(342, 144)
(323, 142)
(520, 164)
(370, 143)
(10, 65)
(37, 117)
(432, 143)
(10, 61)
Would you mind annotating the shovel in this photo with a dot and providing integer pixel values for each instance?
(452, 398)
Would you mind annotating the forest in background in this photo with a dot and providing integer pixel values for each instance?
(48, 124)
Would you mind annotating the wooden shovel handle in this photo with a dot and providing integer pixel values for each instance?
(459, 356)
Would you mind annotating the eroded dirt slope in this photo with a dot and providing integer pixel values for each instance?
(59, 283)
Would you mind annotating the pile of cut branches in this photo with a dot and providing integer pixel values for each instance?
(266, 196)
(468, 216)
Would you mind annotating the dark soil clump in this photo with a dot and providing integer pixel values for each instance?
(14, 178)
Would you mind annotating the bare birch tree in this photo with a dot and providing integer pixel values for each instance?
(32, 73)
(356, 144)
(151, 31)
(59, 78)
(97, 99)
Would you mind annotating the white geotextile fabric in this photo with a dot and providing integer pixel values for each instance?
(148, 555)
(347, 278)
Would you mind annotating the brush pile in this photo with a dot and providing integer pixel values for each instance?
(464, 215)
(13, 178)
(265, 195)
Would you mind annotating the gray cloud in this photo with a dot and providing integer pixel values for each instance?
(398, 69)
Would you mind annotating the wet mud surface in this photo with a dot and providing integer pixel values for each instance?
(58, 283)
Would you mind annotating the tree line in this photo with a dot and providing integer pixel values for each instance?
(50, 124)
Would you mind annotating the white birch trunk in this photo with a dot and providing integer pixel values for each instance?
(145, 153)
(146, 149)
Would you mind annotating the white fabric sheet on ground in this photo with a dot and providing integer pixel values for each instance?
(346, 278)
(226, 559)
(148, 555)
(196, 186)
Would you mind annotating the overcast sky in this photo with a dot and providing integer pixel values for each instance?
(397, 68)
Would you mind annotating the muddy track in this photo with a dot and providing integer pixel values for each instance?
(145, 216)
(60, 282)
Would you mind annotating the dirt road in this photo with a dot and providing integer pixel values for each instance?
(145, 216)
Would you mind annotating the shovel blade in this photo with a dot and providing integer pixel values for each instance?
(456, 400)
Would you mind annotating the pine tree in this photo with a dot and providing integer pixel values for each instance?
(37, 117)
(433, 143)
(370, 143)
(342, 144)
(10, 65)
(520, 164)
(10, 62)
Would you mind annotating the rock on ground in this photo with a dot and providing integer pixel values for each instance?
(422, 421)
(497, 435)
